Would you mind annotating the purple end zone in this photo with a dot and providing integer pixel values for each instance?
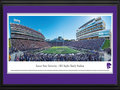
(60, 78)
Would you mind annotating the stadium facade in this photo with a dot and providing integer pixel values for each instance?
(95, 28)
(22, 32)
(24, 38)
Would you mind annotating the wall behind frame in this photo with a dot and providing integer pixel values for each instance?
(61, 3)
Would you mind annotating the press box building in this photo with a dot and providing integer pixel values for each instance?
(94, 28)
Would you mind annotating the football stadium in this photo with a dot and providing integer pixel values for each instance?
(92, 43)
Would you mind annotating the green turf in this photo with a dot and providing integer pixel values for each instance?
(106, 44)
(59, 50)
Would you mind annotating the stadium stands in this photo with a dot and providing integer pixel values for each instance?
(91, 44)
(24, 38)
(59, 57)
(23, 45)
(17, 29)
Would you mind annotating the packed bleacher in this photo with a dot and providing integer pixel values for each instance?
(23, 45)
(91, 55)
(91, 44)
(24, 38)
(12, 50)
(58, 57)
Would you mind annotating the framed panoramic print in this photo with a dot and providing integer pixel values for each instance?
(60, 45)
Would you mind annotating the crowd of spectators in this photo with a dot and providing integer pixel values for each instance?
(24, 45)
(58, 57)
(92, 44)
(12, 50)
(108, 50)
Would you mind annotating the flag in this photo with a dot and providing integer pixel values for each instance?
(16, 20)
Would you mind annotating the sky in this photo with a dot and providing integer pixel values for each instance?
(53, 26)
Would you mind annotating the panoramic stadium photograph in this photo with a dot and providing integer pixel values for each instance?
(60, 38)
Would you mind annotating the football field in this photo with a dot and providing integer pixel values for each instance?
(59, 50)
(106, 44)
